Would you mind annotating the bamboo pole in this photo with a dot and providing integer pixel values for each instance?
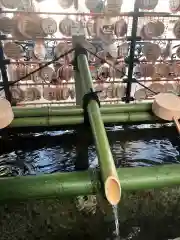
(108, 172)
(86, 182)
(76, 110)
(141, 117)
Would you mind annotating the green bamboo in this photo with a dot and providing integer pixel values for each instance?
(86, 182)
(76, 110)
(105, 158)
(142, 117)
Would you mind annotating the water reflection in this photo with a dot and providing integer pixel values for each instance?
(150, 152)
(74, 150)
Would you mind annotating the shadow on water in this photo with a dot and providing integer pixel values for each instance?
(142, 215)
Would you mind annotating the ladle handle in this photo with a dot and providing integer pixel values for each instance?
(176, 121)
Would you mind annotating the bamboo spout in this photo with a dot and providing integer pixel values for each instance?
(113, 190)
(106, 162)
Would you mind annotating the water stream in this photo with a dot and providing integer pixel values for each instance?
(116, 221)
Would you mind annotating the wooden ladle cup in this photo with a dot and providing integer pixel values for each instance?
(6, 113)
(167, 106)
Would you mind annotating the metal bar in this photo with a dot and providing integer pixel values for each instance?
(131, 56)
(22, 83)
(50, 84)
(160, 80)
(158, 39)
(4, 74)
(82, 161)
(119, 61)
(73, 83)
(48, 103)
(140, 14)
(112, 101)
(68, 39)
(73, 13)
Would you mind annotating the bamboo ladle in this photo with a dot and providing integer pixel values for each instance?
(6, 113)
(167, 106)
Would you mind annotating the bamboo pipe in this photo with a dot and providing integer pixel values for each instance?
(74, 110)
(108, 171)
(48, 121)
(86, 182)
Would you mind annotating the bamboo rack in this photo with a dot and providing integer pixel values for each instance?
(60, 185)
(108, 172)
(20, 112)
(69, 120)
(73, 115)
(89, 182)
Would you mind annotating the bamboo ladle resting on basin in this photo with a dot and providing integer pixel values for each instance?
(167, 106)
(6, 113)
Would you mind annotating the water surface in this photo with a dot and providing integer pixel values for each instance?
(47, 152)
(89, 217)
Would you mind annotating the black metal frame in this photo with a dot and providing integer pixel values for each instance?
(128, 97)
(3, 69)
